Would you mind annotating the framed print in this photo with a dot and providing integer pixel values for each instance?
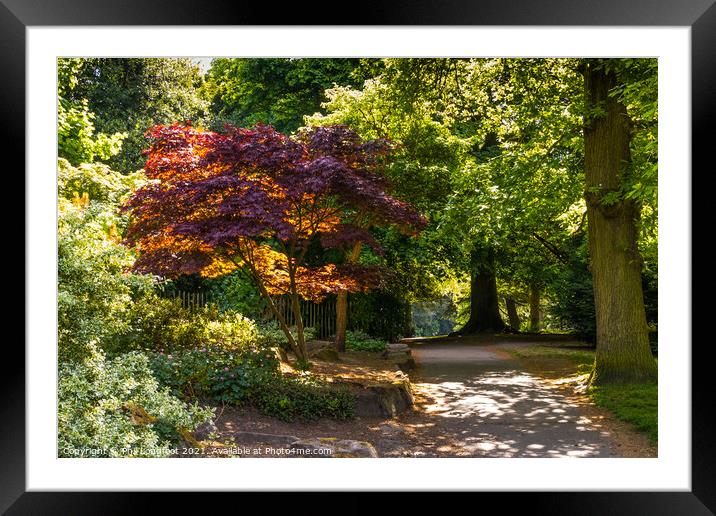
(421, 245)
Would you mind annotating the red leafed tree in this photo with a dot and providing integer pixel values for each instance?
(255, 199)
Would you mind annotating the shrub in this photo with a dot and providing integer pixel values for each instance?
(215, 373)
(305, 397)
(115, 408)
(236, 292)
(94, 294)
(359, 341)
(272, 336)
(157, 324)
(251, 376)
(97, 181)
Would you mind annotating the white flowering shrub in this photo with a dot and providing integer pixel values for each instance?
(116, 408)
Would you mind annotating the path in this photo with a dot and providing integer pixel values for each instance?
(474, 400)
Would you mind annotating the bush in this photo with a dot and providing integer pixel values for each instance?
(251, 376)
(115, 408)
(94, 293)
(157, 324)
(272, 336)
(97, 181)
(359, 341)
(304, 397)
(234, 292)
(218, 374)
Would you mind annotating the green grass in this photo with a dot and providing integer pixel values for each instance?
(636, 404)
(579, 357)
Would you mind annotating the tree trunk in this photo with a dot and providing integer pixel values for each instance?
(534, 308)
(341, 320)
(342, 305)
(623, 353)
(300, 336)
(298, 350)
(512, 313)
(484, 303)
(301, 354)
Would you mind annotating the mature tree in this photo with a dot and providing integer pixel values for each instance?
(255, 200)
(129, 95)
(623, 352)
(510, 169)
(419, 169)
(278, 91)
(78, 141)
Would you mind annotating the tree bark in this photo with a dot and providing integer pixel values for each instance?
(302, 354)
(484, 303)
(623, 354)
(342, 305)
(341, 320)
(512, 313)
(534, 308)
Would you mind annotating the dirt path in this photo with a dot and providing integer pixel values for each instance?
(480, 402)
(472, 400)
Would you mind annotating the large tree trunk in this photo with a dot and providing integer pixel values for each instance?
(534, 308)
(623, 353)
(484, 303)
(512, 313)
(342, 305)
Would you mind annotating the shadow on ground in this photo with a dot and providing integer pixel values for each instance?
(474, 400)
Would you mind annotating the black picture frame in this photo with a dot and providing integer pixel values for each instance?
(700, 15)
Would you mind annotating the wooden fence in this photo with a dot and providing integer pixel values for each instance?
(321, 316)
(189, 300)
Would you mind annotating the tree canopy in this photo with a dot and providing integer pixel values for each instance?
(296, 172)
(255, 199)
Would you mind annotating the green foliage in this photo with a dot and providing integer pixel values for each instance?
(381, 314)
(359, 341)
(77, 140)
(252, 376)
(129, 95)
(276, 91)
(270, 334)
(305, 397)
(236, 292)
(490, 149)
(230, 376)
(154, 323)
(116, 408)
(637, 404)
(97, 181)
(572, 292)
(94, 291)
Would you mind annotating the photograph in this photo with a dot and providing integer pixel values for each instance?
(357, 257)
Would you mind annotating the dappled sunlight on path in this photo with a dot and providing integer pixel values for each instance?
(475, 401)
